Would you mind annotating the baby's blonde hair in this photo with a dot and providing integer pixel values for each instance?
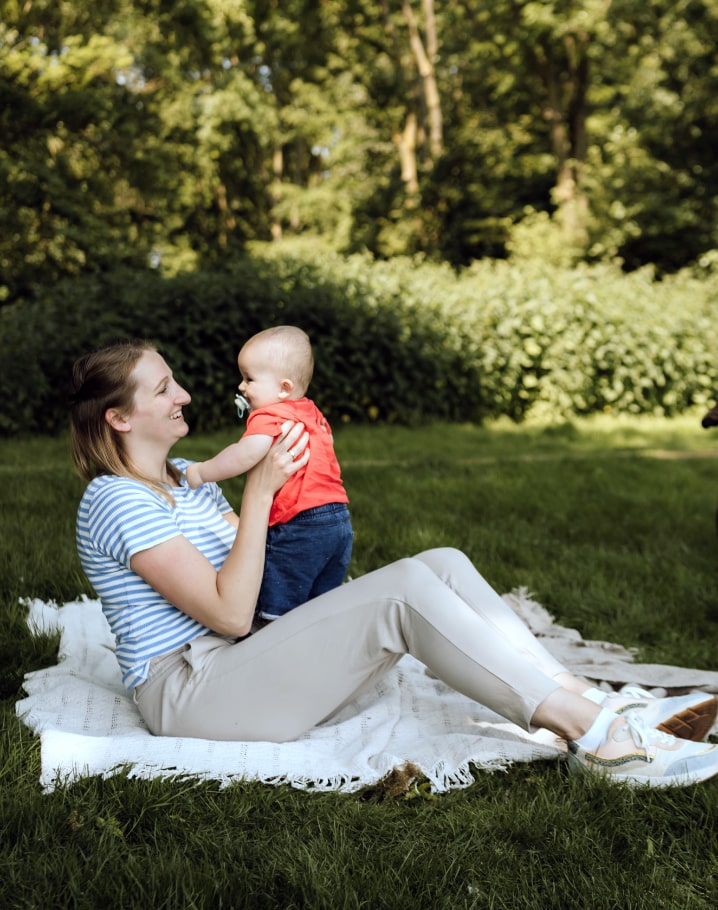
(291, 351)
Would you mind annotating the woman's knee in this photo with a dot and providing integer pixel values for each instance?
(414, 568)
(445, 561)
(409, 579)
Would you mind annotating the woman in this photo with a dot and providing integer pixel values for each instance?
(178, 573)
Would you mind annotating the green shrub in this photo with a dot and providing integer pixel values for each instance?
(395, 341)
(577, 341)
(375, 359)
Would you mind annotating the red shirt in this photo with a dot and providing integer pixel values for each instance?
(319, 482)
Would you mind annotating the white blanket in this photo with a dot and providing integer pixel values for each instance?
(89, 725)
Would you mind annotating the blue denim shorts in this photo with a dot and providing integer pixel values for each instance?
(305, 557)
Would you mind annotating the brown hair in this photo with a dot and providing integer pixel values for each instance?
(105, 379)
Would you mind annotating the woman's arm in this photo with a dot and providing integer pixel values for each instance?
(224, 601)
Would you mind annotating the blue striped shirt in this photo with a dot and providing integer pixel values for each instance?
(119, 517)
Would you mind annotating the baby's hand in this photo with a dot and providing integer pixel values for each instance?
(194, 477)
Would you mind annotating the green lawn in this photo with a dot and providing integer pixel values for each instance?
(610, 523)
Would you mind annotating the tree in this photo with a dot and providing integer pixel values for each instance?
(653, 181)
(170, 133)
(71, 158)
(527, 68)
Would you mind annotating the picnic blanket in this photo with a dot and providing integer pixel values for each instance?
(89, 725)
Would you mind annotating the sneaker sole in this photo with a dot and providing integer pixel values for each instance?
(694, 723)
(575, 765)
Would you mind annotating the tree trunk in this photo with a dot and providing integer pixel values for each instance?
(406, 144)
(425, 58)
(566, 115)
(277, 170)
(227, 221)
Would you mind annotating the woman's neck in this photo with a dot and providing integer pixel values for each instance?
(152, 465)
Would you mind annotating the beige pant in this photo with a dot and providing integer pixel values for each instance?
(300, 669)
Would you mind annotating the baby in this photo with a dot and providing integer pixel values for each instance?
(309, 541)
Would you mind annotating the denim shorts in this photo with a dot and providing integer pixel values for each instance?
(305, 557)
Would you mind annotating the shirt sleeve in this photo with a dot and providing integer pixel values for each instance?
(263, 424)
(213, 490)
(218, 497)
(125, 517)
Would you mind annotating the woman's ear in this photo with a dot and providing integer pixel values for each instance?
(116, 420)
(286, 387)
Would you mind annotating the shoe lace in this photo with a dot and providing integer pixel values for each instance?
(645, 737)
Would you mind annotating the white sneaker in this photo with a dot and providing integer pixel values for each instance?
(636, 754)
(685, 716)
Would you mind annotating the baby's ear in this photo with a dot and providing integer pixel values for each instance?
(286, 387)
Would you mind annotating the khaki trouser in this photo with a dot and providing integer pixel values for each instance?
(300, 669)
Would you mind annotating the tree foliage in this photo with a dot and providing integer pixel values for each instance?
(169, 133)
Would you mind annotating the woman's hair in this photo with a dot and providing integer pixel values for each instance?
(105, 379)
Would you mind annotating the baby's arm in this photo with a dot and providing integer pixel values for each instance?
(235, 459)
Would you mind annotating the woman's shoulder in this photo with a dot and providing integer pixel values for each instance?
(118, 484)
(111, 482)
(114, 489)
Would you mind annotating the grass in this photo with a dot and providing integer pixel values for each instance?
(610, 523)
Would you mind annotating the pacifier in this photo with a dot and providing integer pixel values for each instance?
(242, 405)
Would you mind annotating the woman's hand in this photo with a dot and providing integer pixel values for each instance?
(288, 454)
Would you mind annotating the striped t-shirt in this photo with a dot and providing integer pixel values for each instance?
(119, 517)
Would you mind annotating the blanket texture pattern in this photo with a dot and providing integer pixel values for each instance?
(89, 725)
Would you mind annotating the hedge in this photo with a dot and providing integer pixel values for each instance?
(395, 341)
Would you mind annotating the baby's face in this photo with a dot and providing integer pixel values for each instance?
(261, 382)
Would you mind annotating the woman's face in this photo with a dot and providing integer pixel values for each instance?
(159, 399)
